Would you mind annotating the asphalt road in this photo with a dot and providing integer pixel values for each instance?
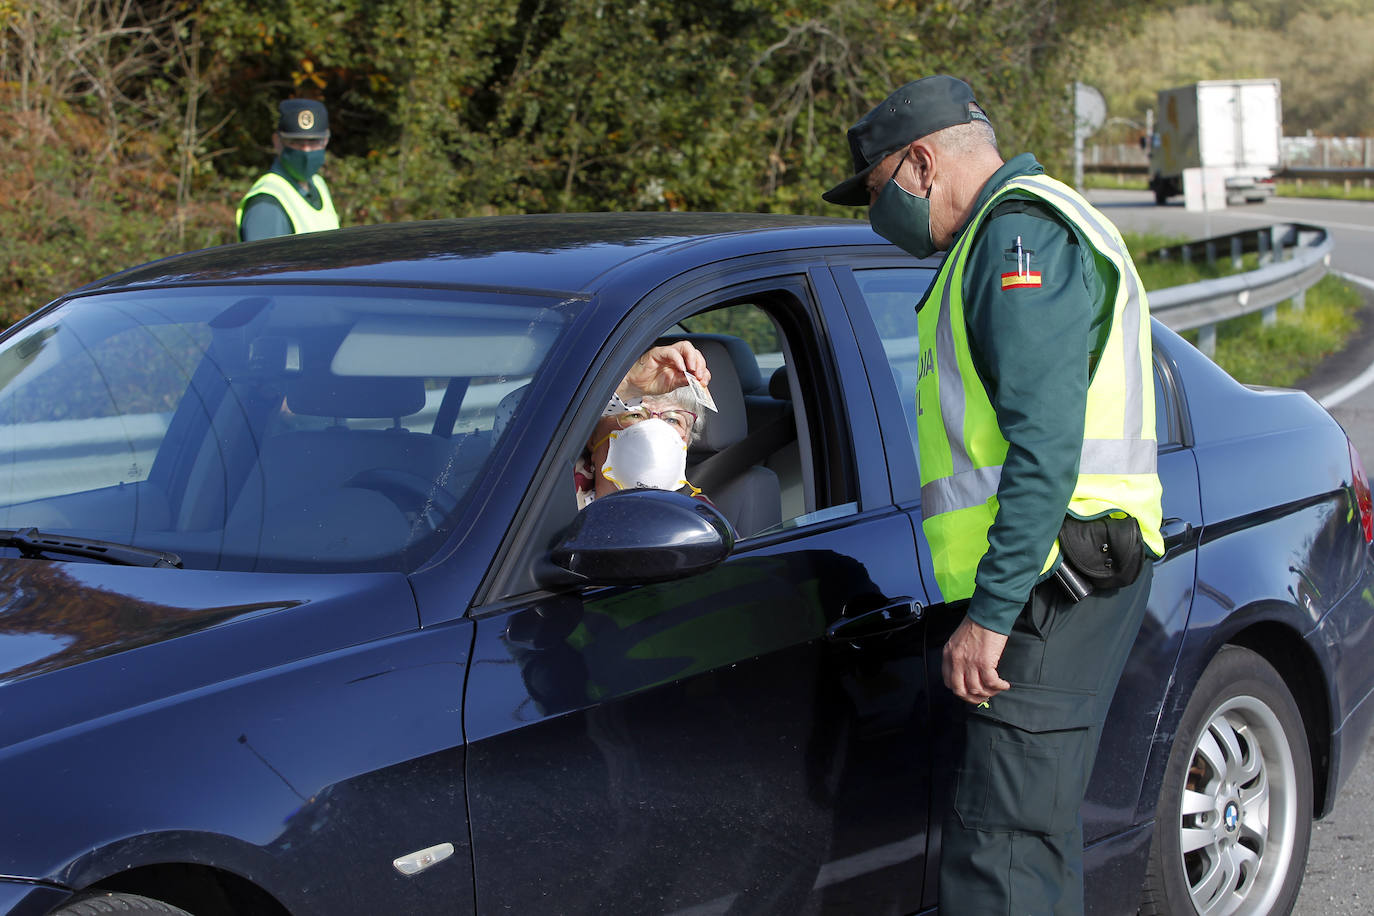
(1340, 867)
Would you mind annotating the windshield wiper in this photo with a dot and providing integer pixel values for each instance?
(32, 544)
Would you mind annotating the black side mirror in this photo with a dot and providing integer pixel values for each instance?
(632, 537)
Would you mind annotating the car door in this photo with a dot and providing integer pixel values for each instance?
(750, 739)
(882, 292)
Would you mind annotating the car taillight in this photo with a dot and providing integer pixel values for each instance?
(1362, 496)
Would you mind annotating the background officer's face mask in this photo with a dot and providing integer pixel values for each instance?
(903, 218)
(649, 455)
(301, 163)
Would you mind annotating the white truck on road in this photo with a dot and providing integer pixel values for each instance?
(1233, 127)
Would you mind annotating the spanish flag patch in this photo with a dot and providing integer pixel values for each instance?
(1021, 281)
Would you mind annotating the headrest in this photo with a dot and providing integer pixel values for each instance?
(778, 385)
(746, 364)
(505, 409)
(355, 396)
(728, 424)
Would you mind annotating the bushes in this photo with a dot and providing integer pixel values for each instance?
(155, 114)
(71, 213)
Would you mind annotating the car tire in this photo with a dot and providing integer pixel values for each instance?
(106, 904)
(1235, 811)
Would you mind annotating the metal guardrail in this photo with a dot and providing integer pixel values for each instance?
(1323, 173)
(1287, 173)
(1292, 256)
(1120, 168)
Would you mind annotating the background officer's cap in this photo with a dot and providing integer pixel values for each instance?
(910, 113)
(303, 119)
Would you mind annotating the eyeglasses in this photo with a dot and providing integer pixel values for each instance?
(306, 144)
(676, 417)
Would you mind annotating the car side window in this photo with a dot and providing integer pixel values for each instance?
(772, 456)
(86, 412)
(1168, 419)
(891, 295)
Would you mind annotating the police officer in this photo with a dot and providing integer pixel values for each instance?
(1036, 438)
(291, 197)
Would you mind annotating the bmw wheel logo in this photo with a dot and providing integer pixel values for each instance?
(1231, 816)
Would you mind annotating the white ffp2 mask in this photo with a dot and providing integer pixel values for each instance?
(649, 455)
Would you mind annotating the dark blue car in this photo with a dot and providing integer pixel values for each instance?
(298, 613)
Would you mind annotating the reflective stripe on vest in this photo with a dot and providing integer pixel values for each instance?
(961, 445)
(303, 217)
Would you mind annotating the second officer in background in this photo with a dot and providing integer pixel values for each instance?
(291, 197)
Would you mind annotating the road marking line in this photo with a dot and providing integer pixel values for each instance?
(1365, 378)
(1367, 284)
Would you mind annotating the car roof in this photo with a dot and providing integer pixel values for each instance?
(570, 252)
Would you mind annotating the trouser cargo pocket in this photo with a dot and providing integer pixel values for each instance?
(1026, 763)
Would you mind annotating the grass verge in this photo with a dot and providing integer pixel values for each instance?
(1113, 182)
(1280, 354)
(1296, 343)
(1327, 190)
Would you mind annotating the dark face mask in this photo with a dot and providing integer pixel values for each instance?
(302, 164)
(903, 219)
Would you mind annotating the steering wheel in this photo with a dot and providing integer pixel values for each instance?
(419, 499)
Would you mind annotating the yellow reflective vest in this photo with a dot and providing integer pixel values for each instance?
(961, 444)
(304, 218)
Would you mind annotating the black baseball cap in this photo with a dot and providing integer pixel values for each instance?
(303, 119)
(917, 109)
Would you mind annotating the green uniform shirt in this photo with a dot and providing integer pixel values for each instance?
(1034, 350)
(263, 215)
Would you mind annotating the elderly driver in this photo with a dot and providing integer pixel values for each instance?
(641, 440)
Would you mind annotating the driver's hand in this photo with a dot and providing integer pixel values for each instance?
(664, 369)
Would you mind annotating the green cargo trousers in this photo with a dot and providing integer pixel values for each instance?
(1013, 843)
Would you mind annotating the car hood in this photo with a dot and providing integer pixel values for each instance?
(81, 640)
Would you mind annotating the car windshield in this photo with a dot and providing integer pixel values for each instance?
(284, 429)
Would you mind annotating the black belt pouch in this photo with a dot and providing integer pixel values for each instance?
(1108, 552)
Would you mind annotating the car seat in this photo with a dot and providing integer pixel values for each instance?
(749, 497)
(341, 492)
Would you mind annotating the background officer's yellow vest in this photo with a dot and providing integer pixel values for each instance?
(961, 445)
(304, 218)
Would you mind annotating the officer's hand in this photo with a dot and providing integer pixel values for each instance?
(664, 369)
(970, 662)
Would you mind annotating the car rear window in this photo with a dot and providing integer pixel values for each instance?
(285, 429)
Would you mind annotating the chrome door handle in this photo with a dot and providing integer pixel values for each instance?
(1175, 531)
(887, 619)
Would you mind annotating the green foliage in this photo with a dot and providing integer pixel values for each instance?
(69, 214)
(747, 322)
(1317, 48)
(457, 107)
(1112, 182)
(1320, 55)
(1280, 354)
(1163, 274)
(1331, 190)
(1279, 14)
